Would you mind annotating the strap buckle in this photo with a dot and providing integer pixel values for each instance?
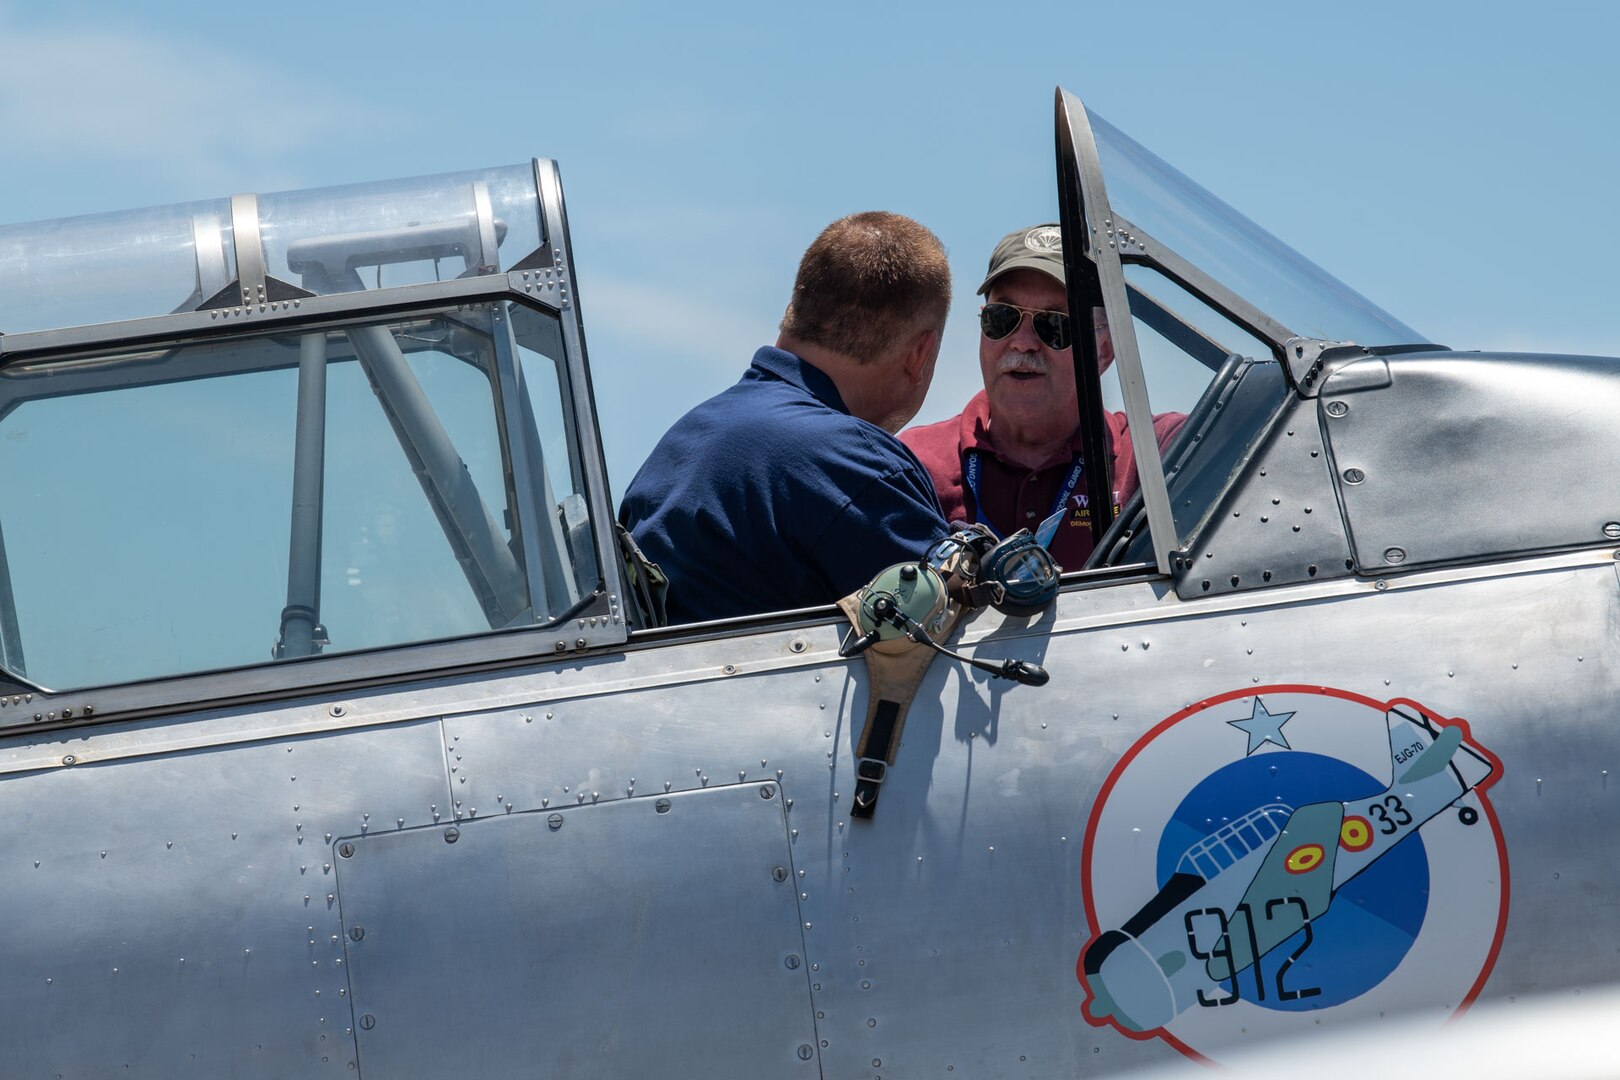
(869, 776)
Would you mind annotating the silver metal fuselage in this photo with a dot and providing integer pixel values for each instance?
(562, 848)
(183, 882)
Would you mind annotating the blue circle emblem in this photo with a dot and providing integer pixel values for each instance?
(1375, 917)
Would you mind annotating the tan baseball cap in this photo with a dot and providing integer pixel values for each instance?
(1038, 247)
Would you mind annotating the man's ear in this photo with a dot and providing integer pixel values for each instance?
(921, 354)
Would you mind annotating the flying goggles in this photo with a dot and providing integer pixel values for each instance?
(1016, 576)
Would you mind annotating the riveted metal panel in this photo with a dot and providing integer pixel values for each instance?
(177, 916)
(1208, 454)
(1277, 523)
(1452, 457)
(649, 936)
(941, 937)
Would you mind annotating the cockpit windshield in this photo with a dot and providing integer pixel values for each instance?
(1159, 201)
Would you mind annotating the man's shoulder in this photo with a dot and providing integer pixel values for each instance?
(945, 433)
(1165, 425)
(747, 408)
(765, 429)
(938, 445)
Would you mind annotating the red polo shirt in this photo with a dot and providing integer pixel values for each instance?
(1015, 497)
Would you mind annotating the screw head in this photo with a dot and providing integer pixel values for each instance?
(1394, 555)
(767, 791)
(68, 759)
(356, 933)
(368, 1021)
(1354, 476)
(662, 806)
(1611, 529)
(554, 822)
(346, 850)
(452, 834)
(792, 961)
(779, 874)
(806, 1052)
(1337, 408)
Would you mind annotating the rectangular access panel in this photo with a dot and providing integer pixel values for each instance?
(650, 936)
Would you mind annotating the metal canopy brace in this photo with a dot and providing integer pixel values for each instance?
(11, 651)
(1080, 173)
(1212, 292)
(491, 568)
(1178, 332)
(301, 632)
(551, 586)
(1083, 295)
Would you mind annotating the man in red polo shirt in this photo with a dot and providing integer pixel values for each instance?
(1012, 459)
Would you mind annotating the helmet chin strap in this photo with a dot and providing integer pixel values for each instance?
(915, 604)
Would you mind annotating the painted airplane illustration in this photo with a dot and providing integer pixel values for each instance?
(1257, 881)
(339, 734)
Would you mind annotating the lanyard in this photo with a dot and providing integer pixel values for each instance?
(1048, 527)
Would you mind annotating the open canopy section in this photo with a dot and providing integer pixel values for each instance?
(1162, 208)
(1214, 325)
(138, 264)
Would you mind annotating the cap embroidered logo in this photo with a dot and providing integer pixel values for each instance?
(1044, 238)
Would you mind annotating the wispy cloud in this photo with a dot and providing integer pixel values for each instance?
(68, 93)
(650, 321)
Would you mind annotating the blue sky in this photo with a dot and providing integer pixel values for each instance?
(1455, 162)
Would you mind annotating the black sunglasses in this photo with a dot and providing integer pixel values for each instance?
(999, 320)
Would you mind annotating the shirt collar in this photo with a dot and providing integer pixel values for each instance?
(975, 429)
(796, 371)
(974, 433)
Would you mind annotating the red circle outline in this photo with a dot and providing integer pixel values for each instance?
(1366, 827)
(1315, 850)
(1094, 926)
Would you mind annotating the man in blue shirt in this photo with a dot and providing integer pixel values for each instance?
(789, 489)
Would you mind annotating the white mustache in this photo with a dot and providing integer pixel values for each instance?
(1034, 363)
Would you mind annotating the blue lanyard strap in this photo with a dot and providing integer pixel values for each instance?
(970, 476)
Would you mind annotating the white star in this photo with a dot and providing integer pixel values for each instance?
(1263, 727)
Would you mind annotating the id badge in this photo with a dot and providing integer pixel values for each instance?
(1047, 529)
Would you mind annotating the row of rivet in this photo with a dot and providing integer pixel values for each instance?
(40, 717)
(285, 305)
(560, 283)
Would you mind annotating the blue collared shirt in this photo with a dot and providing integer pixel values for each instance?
(771, 496)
